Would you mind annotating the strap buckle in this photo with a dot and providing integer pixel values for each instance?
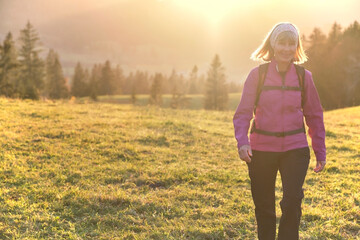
(280, 134)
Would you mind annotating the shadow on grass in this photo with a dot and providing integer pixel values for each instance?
(341, 148)
(155, 141)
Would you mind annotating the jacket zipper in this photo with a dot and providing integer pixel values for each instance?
(282, 108)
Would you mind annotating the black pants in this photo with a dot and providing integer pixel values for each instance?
(263, 169)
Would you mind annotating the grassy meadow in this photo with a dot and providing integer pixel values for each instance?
(73, 170)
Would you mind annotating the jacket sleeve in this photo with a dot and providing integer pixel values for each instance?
(244, 111)
(314, 119)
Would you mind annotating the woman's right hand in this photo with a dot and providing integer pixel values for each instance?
(245, 153)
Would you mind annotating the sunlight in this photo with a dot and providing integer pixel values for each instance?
(213, 10)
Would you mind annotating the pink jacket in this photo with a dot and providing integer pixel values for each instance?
(280, 111)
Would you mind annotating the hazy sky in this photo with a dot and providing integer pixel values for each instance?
(163, 35)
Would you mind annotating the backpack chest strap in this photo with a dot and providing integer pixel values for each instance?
(286, 88)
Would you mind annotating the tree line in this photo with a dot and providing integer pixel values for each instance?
(23, 74)
(334, 60)
(105, 80)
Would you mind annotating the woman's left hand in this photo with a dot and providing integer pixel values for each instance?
(319, 166)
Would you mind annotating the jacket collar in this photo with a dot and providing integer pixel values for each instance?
(273, 64)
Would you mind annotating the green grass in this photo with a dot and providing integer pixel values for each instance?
(110, 171)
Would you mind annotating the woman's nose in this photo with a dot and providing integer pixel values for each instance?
(288, 47)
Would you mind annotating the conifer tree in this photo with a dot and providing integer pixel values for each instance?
(118, 80)
(87, 76)
(334, 36)
(193, 80)
(166, 84)
(128, 83)
(178, 99)
(133, 95)
(94, 81)
(216, 95)
(141, 82)
(317, 44)
(135, 85)
(31, 79)
(55, 81)
(176, 96)
(78, 88)
(172, 81)
(155, 91)
(182, 83)
(106, 86)
(8, 66)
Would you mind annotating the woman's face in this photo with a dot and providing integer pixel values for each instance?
(284, 49)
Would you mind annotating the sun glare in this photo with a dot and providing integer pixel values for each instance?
(213, 10)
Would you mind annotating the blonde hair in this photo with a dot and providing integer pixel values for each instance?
(265, 52)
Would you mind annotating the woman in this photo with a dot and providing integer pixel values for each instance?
(281, 94)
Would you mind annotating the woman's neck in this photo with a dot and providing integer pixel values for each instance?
(282, 66)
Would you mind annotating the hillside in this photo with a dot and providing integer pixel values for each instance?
(107, 171)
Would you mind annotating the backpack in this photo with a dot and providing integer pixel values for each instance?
(300, 71)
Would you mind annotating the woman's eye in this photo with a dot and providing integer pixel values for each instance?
(286, 43)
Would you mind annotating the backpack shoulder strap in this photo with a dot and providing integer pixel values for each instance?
(300, 71)
(262, 74)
